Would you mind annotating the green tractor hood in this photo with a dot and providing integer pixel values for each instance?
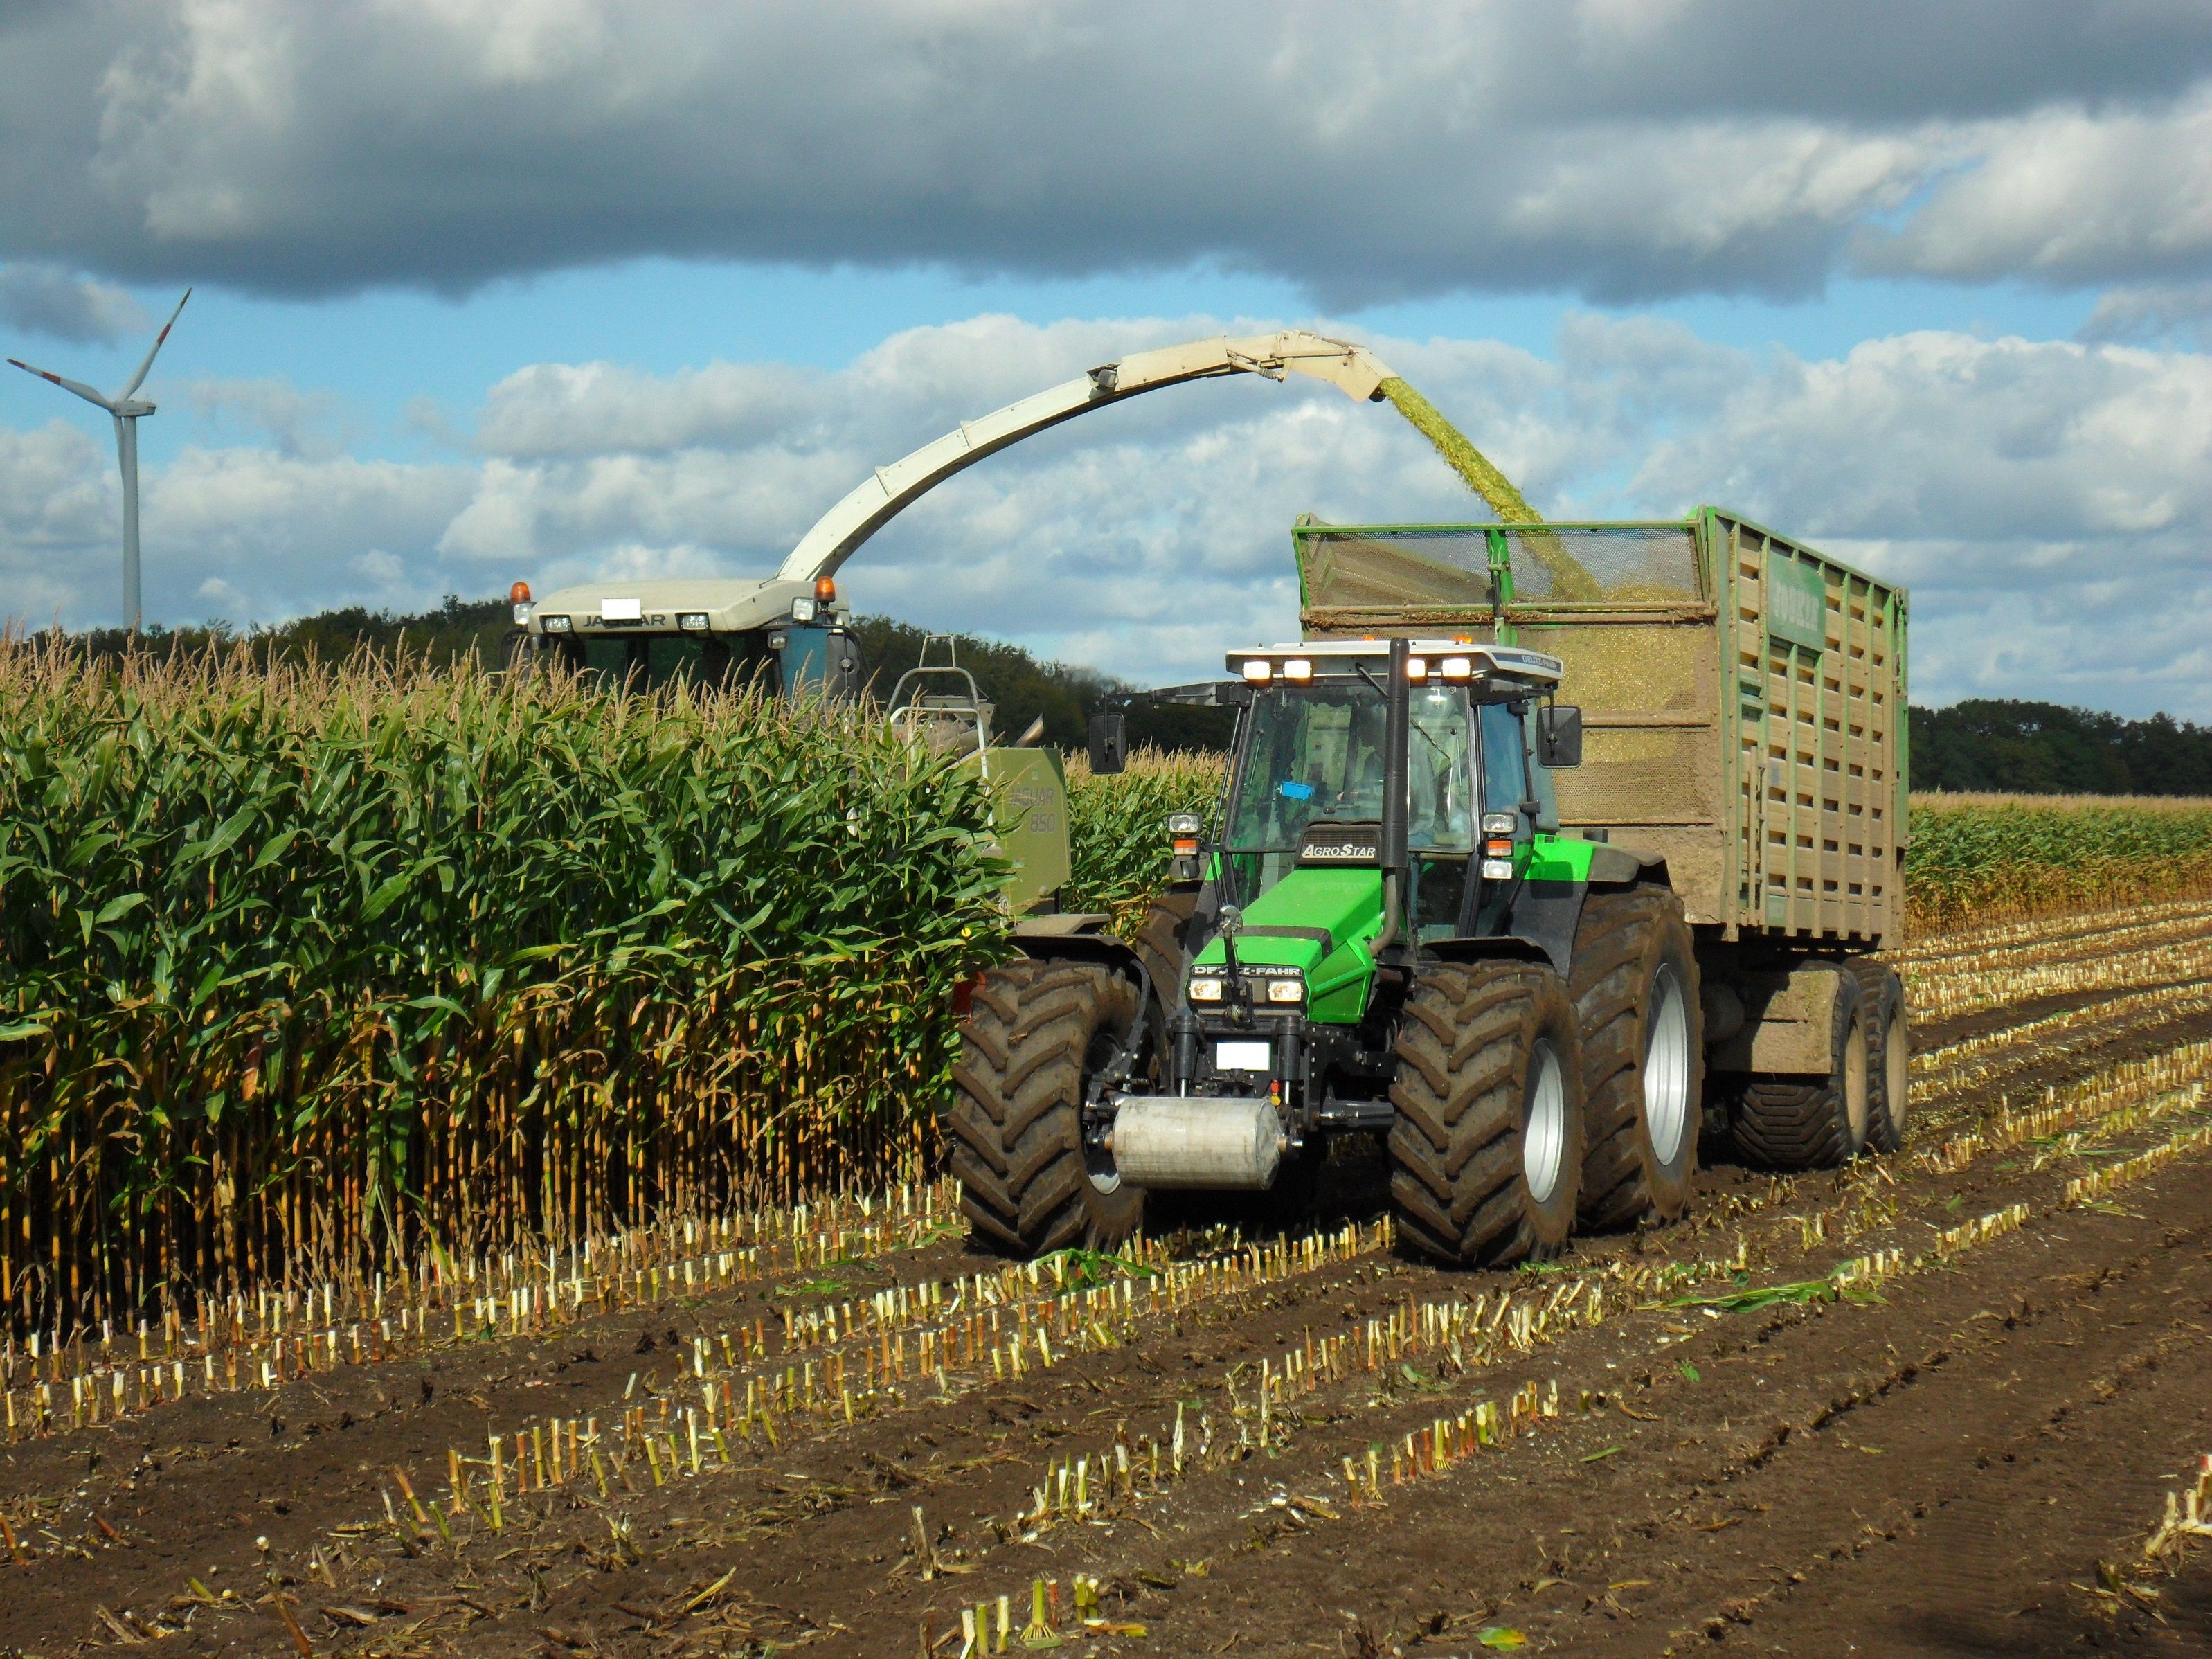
(1319, 922)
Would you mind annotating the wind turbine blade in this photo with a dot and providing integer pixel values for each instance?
(77, 386)
(138, 379)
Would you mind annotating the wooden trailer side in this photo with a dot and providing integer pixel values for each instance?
(1817, 727)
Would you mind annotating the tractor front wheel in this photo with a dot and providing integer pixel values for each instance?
(1486, 1148)
(1037, 1032)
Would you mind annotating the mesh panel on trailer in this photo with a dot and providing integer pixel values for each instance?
(1356, 568)
(1551, 564)
(1606, 564)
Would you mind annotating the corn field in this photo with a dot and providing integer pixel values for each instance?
(299, 967)
(1117, 840)
(1977, 858)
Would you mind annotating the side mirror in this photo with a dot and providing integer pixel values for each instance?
(1560, 735)
(1110, 743)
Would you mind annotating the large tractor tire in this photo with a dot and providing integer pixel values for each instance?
(1486, 1150)
(1634, 985)
(1788, 1124)
(1163, 945)
(1036, 1034)
(1889, 1052)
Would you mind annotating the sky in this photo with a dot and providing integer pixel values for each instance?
(496, 289)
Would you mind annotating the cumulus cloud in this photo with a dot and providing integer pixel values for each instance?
(2047, 502)
(44, 298)
(1622, 150)
(2070, 196)
(2043, 499)
(2153, 312)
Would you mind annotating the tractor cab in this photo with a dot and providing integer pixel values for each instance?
(1385, 798)
(1388, 805)
(1312, 764)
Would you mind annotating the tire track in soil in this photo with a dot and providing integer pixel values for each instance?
(1923, 1477)
(1209, 1509)
(190, 1486)
(1196, 1511)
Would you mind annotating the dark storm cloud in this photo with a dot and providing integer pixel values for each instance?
(1623, 148)
(46, 299)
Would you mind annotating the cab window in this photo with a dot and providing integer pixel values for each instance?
(1504, 761)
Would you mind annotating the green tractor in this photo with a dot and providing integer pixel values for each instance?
(1389, 935)
(1543, 976)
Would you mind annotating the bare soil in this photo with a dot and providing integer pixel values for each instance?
(1966, 1463)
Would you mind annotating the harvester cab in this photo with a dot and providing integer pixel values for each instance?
(789, 638)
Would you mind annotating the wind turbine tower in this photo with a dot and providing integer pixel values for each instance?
(125, 407)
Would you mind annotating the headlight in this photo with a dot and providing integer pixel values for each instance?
(522, 614)
(692, 621)
(1497, 869)
(802, 611)
(1206, 990)
(1286, 990)
(554, 625)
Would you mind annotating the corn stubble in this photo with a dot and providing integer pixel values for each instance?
(301, 967)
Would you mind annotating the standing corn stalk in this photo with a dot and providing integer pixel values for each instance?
(298, 966)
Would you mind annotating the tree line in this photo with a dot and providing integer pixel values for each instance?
(1993, 744)
(2047, 749)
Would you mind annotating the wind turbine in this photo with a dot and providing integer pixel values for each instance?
(125, 409)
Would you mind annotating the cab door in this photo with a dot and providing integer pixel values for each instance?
(1508, 810)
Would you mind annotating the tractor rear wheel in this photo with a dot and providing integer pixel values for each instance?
(1486, 1148)
(1036, 1033)
(1788, 1124)
(1634, 984)
(1889, 1052)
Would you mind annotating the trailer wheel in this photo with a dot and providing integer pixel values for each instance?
(1487, 1148)
(1036, 1032)
(1788, 1124)
(1889, 1054)
(1634, 984)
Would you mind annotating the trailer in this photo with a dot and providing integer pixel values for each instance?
(1743, 702)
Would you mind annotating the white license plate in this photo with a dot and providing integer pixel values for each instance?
(1243, 1057)
(621, 610)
